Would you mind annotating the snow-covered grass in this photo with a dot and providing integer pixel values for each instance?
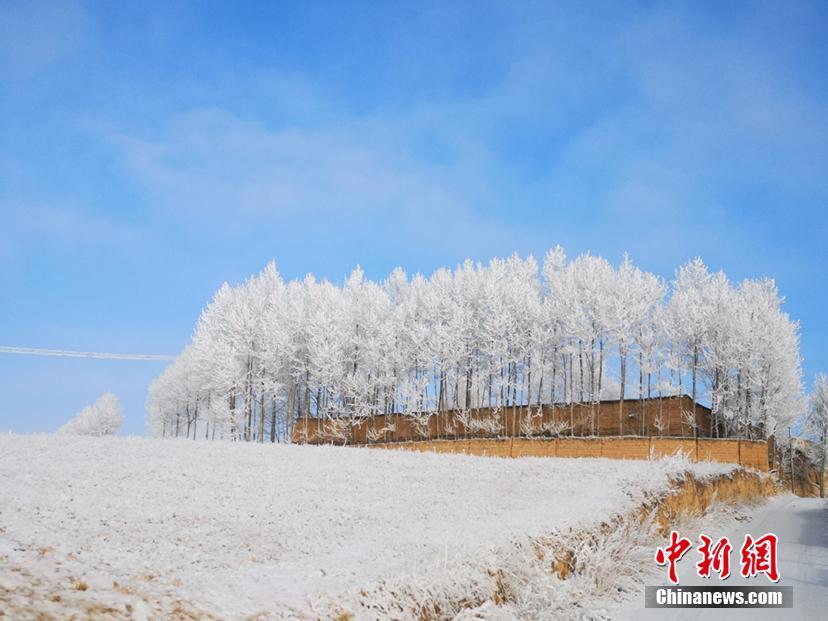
(182, 527)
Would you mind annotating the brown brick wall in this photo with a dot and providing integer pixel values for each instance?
(751, 454)
(652, 417)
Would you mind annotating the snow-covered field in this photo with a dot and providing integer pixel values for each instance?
(132, 526)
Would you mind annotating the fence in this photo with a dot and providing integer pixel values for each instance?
(748, 453)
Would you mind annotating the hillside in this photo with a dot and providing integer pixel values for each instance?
(132, 525)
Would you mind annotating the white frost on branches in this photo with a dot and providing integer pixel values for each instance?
(102, 418)
(816, 426)
(267, 353)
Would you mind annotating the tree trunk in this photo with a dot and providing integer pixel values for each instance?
(261, 416)
(291, 408)
(232, 407)
(642, 426)
(695, 367)
(600, 377)
(822, 465)
(306, 404)
(273, 420)
(623, 353)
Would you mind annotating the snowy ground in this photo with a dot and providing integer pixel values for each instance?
(129, 526)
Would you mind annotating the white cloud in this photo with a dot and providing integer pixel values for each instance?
(212, 168)
(653, 117)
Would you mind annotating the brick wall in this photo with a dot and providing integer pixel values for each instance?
(670, 417)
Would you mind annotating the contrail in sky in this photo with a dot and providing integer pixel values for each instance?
(62, 353)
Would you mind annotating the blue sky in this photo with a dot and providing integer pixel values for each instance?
(150, 152)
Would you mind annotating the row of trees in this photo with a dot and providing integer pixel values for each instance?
(102, 418)
(268, 352)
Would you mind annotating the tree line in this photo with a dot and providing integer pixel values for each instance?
(267, 353)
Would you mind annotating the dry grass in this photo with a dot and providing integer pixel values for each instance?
(79, 585)
(693, 498)
(37, 597)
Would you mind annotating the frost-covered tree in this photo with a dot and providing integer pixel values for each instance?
(690, 314)
(633, 297)
(102, 418)
(816, 424)
(501, 335)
